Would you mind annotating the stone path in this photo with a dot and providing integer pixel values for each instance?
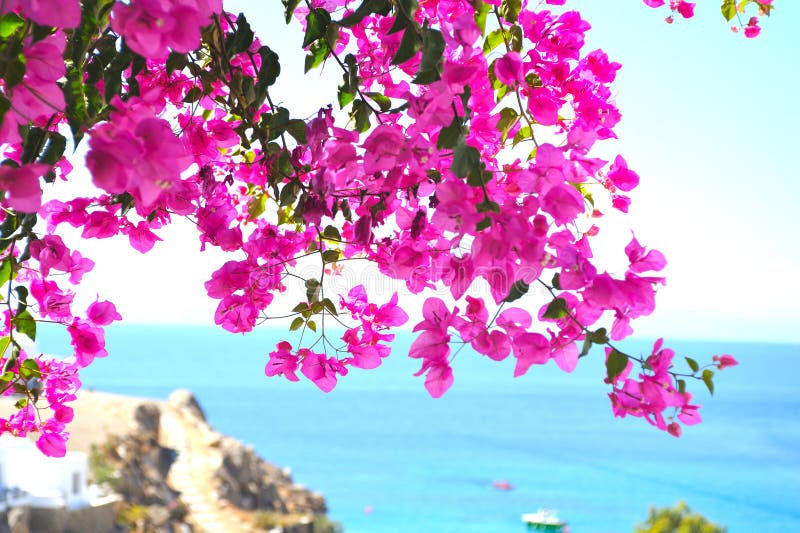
(190, 474)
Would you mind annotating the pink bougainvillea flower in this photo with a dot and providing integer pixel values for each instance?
(282, 362)
(57, 13)
(23, 190)
(724, 361)
(508, 69)
(102, 313)
(621, 176)
(88, 342)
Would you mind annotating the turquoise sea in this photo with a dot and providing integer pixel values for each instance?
(378, 443)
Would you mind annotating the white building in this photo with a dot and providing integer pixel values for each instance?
(27, 477)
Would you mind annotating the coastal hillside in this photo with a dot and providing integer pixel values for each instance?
(174, 472)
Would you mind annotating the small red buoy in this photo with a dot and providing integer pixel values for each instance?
(502, 485)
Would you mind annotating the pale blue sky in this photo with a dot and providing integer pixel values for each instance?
(709, 123)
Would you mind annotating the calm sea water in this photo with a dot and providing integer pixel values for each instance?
(378, 443)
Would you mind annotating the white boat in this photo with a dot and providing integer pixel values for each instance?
(545, 520)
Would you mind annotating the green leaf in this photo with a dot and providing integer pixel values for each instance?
(518, 290)
(26, 324)
(360, 113)
(331, 232)
(318, 52)
(692, 364)
(522, 134)
(312, 326)
(330, 256)
(384, 103)
(297, 323)
(344, 97)
(586, 348)
(30, 369)
(313, 289)
(681, 386)
(405, 11)
(509, 10)
(288, 8)
(482, 10)
(556, 283)
(56, 144)
(6, 273)
(9, 24)
(465, 159)
(409, 45)
(21, 403)
(257, 206)
(317, 22)
(241, 39)
(270, 67)
(366, 8)
(615, 364)
(492, 41)
(708, 379)
(297, 129)
(451, 135)
(433, 47)
(728, 9)
(508, 118)
(556, 309)
(327, 304)
(599, 336)
(4, 342)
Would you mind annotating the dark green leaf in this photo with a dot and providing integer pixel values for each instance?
(409, 45)
(288, 8)
(450, 135)
(433, 47)
(465, 159)
(692, 364)
(54, 149)
(21, 403)
(366, 8)
(312, 326)
(257, 206)
(317, 22)
(681, 386)
(383, 102)
(270, 67)
(483, 224)
(14, 72)
(176, 61)
(405, 11)
(313, 289)
(330, 232)
(330, 256)
(586, 348)
(556, 283)
(518, 290)
(297, 129)
(600, 336)
(241, 39)
(708, 379)
(556, 309)
(297, 323)
(193, 95)
(615, 364)
(329, 306)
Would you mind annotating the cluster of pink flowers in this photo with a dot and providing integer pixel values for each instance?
(730, 9)
(470, 159)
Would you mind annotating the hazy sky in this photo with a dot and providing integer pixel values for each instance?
(709, 123)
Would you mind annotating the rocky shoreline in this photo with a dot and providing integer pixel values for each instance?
(174, 473)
